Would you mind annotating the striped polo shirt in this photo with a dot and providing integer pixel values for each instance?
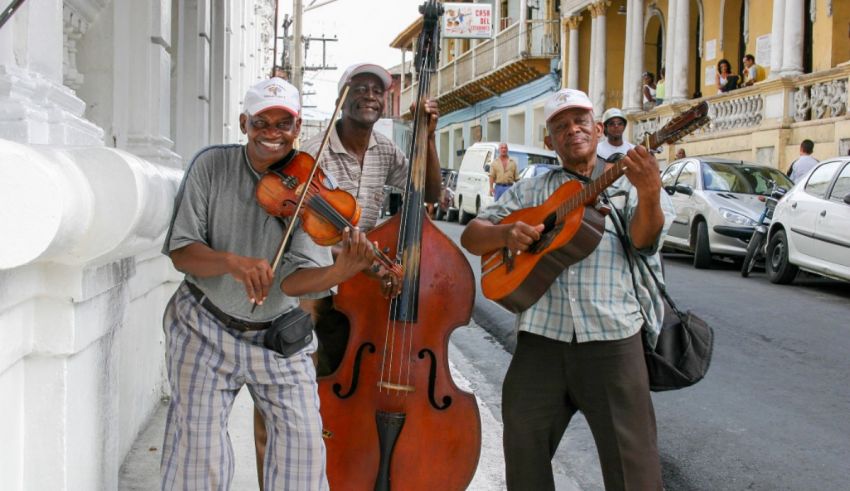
(594, 299)
(383, 164)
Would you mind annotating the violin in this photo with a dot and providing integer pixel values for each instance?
(299, 189)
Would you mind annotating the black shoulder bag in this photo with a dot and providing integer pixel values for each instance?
(682, 353)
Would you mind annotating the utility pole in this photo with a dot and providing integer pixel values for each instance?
(297, 54)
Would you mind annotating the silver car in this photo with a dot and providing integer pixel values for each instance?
(717, 205)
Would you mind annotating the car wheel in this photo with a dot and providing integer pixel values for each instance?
(451, 215)
(702, 249)
(463, 216)
(779, 269)
(438, 213)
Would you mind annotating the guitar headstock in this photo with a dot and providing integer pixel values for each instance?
(681, 126)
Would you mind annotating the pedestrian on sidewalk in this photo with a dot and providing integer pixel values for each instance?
(361, 162)
(800, 167)
(503, 172)
(579, 347)
(216, 321)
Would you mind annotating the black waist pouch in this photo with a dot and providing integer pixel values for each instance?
(289, 333)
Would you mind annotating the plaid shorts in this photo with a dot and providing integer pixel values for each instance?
(208, 364)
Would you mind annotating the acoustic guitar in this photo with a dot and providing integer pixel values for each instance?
(573, 227)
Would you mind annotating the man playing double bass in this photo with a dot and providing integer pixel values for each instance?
(579, 347)
(361, 161)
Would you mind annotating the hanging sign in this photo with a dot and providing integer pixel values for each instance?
(468, 20)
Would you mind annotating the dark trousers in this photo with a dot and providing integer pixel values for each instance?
(332, 328)
(548, 381)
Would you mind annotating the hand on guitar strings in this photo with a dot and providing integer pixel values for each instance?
(519, 236)
(641, 169)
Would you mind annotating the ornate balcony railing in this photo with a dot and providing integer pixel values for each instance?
(534, 40)
(789, 102)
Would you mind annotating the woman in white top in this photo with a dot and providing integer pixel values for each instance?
(724, 69)
(648, 91)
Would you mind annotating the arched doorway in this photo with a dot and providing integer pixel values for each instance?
(653, 35)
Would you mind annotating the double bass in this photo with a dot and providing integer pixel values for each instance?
(393, 417)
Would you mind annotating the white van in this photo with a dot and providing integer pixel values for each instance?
(473, 177)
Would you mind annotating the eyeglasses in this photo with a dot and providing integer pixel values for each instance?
(260, 124)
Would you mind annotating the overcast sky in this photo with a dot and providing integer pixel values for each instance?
(364, 29)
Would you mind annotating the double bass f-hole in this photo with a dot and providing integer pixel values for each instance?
(432, 378)
(337, 388)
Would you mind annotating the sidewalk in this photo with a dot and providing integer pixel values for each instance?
(140, 471)
(477, 366)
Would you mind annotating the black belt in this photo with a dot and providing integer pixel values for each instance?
(504, 184)
(225, 319)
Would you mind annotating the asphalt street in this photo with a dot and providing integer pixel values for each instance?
(772, 413)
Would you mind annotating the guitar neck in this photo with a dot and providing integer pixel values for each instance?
(589, 192)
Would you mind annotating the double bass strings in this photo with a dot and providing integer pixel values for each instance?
(411, 277)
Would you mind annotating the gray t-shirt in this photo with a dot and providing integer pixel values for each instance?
(216, 207)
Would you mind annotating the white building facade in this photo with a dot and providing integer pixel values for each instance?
(102, 105)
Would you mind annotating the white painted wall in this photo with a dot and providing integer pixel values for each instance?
(93, 139)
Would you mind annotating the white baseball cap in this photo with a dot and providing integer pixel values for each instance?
(613, 112)
(565, 99)
(359, 68)
(272, 93)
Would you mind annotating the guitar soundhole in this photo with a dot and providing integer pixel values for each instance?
(545, 239)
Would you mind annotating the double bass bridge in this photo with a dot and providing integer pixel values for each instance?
(396, 387)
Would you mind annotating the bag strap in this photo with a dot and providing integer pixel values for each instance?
(619, 225)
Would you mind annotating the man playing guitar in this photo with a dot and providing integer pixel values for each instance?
(579, 346)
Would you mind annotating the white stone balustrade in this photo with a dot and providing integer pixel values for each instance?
(80, 205)
(743, 112)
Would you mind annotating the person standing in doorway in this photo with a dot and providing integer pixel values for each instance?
(614, 125)
(503, 172)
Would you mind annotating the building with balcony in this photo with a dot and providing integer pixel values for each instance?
(492, 89)
(801, 45)
(102, 104)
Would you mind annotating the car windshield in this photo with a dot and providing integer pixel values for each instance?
(745, 179)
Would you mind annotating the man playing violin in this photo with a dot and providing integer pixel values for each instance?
(216, 321)
(579, 347)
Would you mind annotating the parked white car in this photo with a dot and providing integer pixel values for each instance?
(811, 225)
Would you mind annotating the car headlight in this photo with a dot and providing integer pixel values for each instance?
(736, 218)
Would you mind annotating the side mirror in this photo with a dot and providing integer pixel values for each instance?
(847, 198)
(684, 189)
(671, 190)
(486, 167)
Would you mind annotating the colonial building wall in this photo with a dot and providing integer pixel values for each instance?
(102, 104)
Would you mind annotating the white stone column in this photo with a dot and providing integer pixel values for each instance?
(632, 84)
(572, 79)
(598, 58)
(669, 50)
(681, 53)
(144, 108)
(792, 34)
(192, 96)
(776, 38)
